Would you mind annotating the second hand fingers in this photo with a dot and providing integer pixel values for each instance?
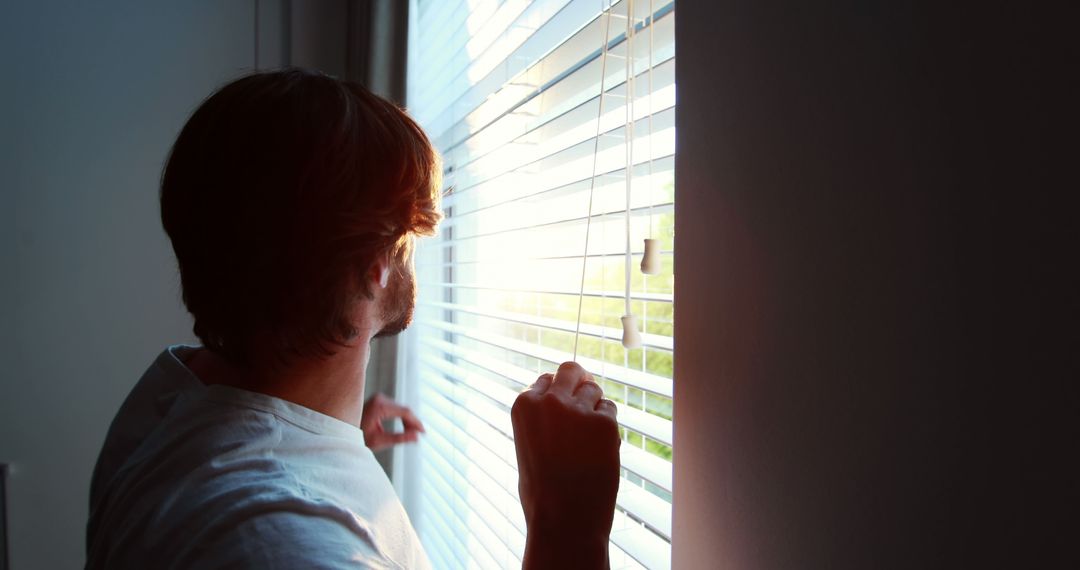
(391, 409)
(411, 422)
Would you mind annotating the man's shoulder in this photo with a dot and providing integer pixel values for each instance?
(142, 411)
(286, 538)
(219, 486)
(264, 529)
(223, 477)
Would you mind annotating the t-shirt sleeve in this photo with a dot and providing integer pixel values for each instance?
(280, 540)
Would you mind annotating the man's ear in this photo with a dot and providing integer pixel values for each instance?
(380, 271)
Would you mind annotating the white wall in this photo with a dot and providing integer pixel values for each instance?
(876, 296)
(94, 94)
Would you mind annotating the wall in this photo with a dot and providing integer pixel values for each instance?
(93, 96)
(874, 309)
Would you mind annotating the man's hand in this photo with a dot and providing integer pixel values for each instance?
(378, 409)
(567, 442)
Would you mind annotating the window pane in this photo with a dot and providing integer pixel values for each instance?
(535, 119)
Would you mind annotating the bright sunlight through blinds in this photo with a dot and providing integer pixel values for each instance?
(510, 92)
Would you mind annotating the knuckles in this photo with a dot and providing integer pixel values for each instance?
(571, 368)
(605, 422)
(528, 405)
(525, 406)
(521, 403)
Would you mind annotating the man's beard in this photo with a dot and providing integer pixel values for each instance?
(396, 310)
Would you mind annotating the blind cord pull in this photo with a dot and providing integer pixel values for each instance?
(631, 338)
(650, 261)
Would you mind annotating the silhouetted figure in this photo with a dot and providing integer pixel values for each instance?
(292, 200)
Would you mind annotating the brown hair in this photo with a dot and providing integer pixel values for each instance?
(281, 191)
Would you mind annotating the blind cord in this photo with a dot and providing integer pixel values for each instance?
(650, 261)
(628, 133)
(592, 179)
(631, 338)
(652, 14)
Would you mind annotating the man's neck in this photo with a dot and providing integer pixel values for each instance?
(331, 385)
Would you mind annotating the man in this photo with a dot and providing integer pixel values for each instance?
(292, 200)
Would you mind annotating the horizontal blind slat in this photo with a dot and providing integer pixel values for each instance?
(558, 224)
(508, 259)
(575, 162)
(480, 557)
(636, 295)
(648, 339)
(556, 68)
(632, 499)
(489, 195)
(449, 517)
(479, 516)
(630, 418)
(647, 466)
(499, 493)
(510, 93)
(470, 85)
(651, 509)
(451, 465)
(647, 382)
(524, 144)
(644, 546)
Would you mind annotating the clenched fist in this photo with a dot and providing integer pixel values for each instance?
(567, 443)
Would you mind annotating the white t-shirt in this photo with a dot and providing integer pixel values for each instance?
(196, 476)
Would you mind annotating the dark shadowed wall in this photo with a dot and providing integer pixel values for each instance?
(875, 295)
(92, 96)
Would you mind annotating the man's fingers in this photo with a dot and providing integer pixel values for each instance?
(385, 440)
(589, 393)
(567, 378)
(607, 407)
(542, 384)
(387, 409)
(411, 422)
(403, 437)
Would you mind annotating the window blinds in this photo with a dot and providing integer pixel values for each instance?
(510, 92)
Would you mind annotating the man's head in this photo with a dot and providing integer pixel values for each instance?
(290, 198)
